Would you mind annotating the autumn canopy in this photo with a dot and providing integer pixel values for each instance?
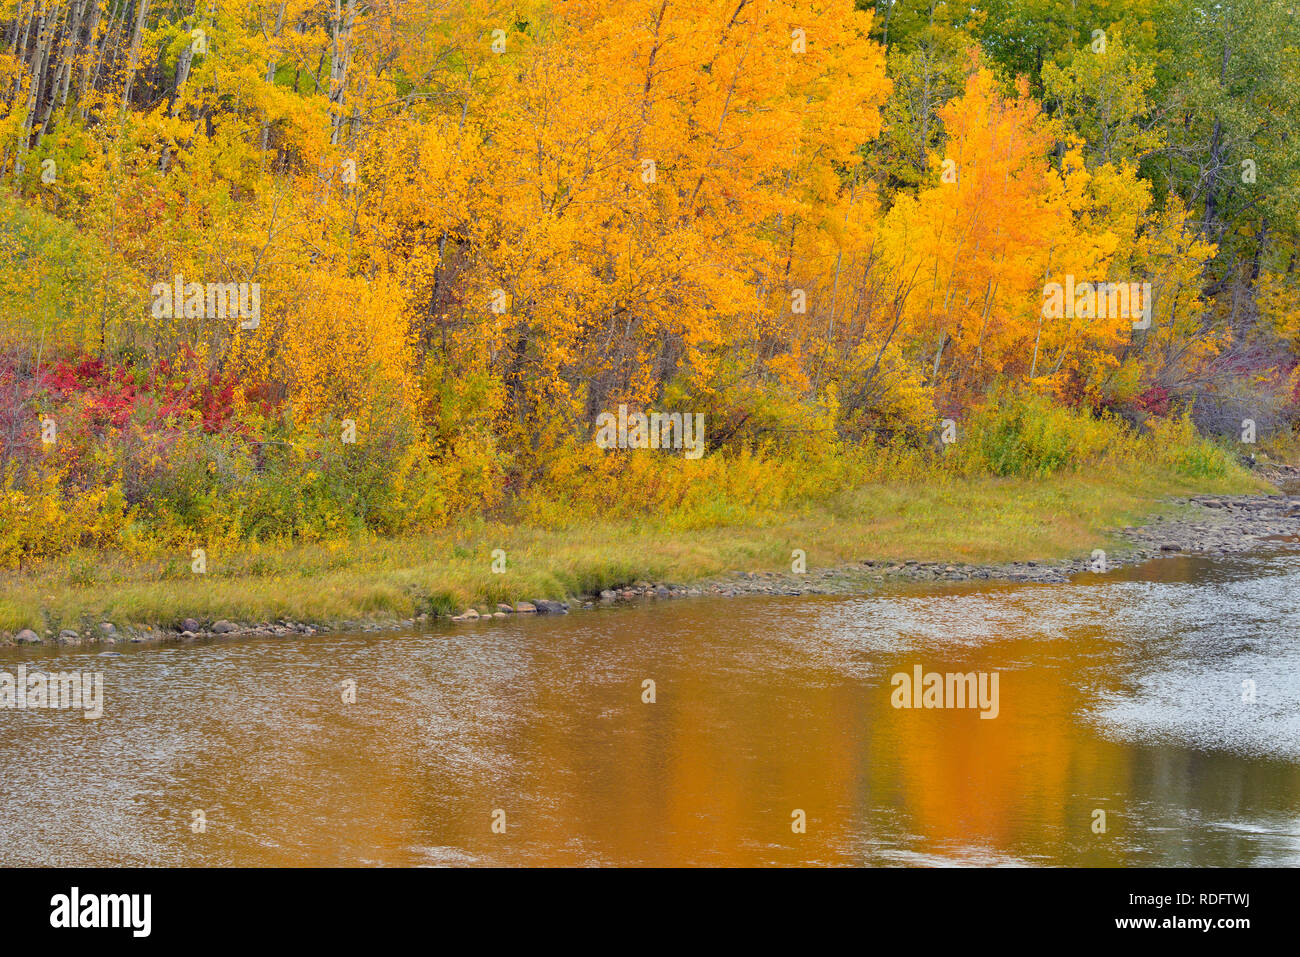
(473, 228)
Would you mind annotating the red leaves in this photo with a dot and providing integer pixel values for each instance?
(215, 403)
(107, 398)
(1154, 401)
(66, 378)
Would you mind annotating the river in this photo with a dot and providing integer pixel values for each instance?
(1121, 693)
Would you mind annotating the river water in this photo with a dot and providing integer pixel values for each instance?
(1120, 693)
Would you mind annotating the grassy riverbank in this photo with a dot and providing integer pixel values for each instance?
(977, 520)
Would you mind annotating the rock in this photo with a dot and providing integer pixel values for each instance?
(27, 637)
(223, 627)
(547, 607)
(1170, 547)
(499, 614)
(662, 592)
(107, 629)
(525, 607)
(69, 637)
(503, 608)
(189, 635)
(607, 595)
(190, 624)
(469, 614)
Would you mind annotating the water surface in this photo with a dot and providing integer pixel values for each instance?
(1120, 692)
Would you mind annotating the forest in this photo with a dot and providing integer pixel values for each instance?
(299, 271)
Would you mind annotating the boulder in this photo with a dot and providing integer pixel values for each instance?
(27, 637)
(525, 607)
(223, 627)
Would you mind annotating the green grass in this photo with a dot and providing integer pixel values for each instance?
(979, 520)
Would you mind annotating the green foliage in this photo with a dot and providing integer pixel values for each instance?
(1175, 443)
(1027, 436)
(59, 289)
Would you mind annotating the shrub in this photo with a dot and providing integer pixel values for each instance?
(1176, 444)
(47, 520)
(1028, 435)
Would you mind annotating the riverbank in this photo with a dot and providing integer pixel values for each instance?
(949, 530)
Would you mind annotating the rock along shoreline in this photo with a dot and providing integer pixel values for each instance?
(1215, 525)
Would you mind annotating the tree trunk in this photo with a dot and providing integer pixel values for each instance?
(271, 64)
(142, 10)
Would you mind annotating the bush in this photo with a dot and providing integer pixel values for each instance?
(1176, 444)
(44, 521)
(1028, 435)
(583, 482)
(58, 287)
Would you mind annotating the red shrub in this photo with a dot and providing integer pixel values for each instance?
(1154, 401)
